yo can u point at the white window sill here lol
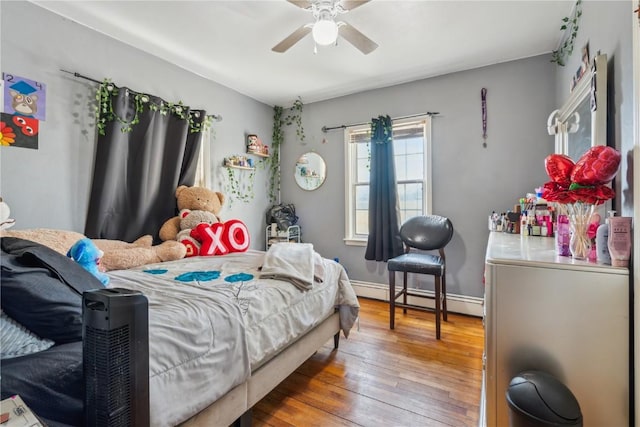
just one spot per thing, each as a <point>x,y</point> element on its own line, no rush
<point>355,242</point>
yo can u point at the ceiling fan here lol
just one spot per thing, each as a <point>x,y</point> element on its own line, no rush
<point>325,29</point>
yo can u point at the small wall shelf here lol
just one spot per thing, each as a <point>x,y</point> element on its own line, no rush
<point>239,162</point>
<point>256,153</point>
<point>246,168</point>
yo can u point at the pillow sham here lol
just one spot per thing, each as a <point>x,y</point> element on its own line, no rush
<point>42,289</point>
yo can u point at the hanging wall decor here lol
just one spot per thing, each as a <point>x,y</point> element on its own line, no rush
<point>24,97</point>
<point>24,106</point>
<point>483,98</point>
<point>18,131</point>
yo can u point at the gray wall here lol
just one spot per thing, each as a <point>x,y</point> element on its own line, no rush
<point>469,181</point>
<point>606,26</point>
<point>49,187</point>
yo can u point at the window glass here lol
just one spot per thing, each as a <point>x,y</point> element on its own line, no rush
<point>412,148</point>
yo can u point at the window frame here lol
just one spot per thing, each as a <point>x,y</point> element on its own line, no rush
<point>351,238</point>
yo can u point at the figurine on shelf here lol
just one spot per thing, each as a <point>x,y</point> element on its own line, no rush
<point>255,146</point>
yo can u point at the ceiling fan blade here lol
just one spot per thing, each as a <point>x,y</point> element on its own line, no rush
<point>292,39</point>
<point>356,38</point>
<point>352,4</point>
<point>304,4</point>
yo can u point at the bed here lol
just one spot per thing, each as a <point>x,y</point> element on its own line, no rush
<point>223,330</point>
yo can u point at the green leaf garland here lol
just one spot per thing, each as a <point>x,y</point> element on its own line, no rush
<point>570,24</point>
<point>104,113</point>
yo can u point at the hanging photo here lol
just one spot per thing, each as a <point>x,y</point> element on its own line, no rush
<point>18,131</point>
<point>24,97</point>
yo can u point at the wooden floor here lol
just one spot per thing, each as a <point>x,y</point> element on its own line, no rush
<point>380,377</point>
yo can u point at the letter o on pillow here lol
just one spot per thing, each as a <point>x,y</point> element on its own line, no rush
<point>236,235</point>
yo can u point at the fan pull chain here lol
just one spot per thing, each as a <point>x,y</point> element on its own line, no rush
<point>483,96</point>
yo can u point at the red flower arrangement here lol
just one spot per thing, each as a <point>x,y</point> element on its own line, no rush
<point>578,188</point>
<point>585,181</point>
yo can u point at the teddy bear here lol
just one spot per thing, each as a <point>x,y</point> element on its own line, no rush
<point>118,255</point>
<point>197,205</point>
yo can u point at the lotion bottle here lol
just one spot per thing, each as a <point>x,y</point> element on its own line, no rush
<point>619,241</point>
<point>562,236</point>
<point>602,241</point>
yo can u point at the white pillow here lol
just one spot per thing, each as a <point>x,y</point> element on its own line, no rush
<point>16,340</point>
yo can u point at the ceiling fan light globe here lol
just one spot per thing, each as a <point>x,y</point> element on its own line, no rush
<point>325,32</point>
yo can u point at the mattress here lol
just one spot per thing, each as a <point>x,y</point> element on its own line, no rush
<point>212,320</point>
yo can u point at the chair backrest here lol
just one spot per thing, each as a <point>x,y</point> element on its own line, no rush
<point>427,232</point>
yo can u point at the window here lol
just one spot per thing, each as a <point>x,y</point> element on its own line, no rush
<point>412,152</point>
<point>203,169</point>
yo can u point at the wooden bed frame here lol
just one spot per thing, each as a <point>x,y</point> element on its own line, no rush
<point>234,408</point>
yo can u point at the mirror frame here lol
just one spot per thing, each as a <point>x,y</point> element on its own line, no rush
<point>302,180</point>
<point>593,85</point>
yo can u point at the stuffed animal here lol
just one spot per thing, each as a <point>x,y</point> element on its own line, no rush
<point>118,255</point>
<point>5,213</point>
<point>193,199</point>
<point>87,254</point>
<point>190,220</point>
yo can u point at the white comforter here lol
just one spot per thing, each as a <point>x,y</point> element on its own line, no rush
<point>213,319</point>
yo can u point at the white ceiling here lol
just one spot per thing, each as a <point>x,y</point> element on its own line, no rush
<point>230,42</point>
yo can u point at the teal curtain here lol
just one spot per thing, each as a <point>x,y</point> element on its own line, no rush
<point>384,229</point>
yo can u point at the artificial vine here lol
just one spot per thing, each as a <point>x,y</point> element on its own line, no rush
<point>296,117</point>
<point>107,90</point>
<point>277,138</point>
<point>571,24</point>
<point>237,188</point>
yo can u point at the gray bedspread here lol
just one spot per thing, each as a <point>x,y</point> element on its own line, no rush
<point>213,320</point>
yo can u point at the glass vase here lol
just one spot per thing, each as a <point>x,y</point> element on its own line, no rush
<point>579,219</point>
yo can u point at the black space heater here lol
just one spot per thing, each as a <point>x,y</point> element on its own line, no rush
<point>115,358</point>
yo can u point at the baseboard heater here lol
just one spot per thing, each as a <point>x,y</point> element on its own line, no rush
<point>116,358</point>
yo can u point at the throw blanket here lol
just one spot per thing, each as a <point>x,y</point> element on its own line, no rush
<point>293,262</point>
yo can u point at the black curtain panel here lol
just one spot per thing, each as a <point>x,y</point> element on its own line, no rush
<point>144,154</point>
<point>384,230</point>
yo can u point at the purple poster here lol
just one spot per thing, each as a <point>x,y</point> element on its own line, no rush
<point>24,97</point>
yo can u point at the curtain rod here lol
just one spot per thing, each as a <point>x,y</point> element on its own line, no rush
<point>326,129</point>
<point>215,117</point>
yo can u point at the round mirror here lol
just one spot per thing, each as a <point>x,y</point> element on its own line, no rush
<point>310,171</point>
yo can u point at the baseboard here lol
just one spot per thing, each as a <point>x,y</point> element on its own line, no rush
<point>472,306</point>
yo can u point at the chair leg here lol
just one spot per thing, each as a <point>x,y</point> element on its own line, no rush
<point>404,296</point>
<point>444,298</point>
<point>392,298</point>
<point>437,301</point>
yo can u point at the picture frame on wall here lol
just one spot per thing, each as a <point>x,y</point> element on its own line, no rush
<point>582,69</point>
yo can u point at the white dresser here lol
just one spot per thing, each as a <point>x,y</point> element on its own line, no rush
<point>565,317</point>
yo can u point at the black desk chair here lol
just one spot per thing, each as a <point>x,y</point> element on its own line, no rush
<point>421,233</point>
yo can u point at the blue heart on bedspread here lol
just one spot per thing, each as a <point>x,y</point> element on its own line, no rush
<point>240,277</point>
<point>156,271</point>
<point>201,276</point>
